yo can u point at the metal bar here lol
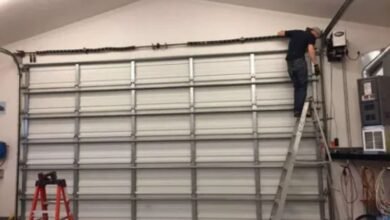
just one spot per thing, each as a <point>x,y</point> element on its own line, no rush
<point>194,180</point>
<point>259,215</point>
<point>133,101</point>
<point>265,165</point>
<point>76,173</point>
<point>337,17</point>
<point>117,88</point>
<point>20,125</point>
<point>323,92</point>
<point>150,59</point>
<point>185,197</point>
<point>130,113</point>
<point>346,104</point>
<point>25,126</point>
<point>320,176</point>
<point>173,139</point>
<point>322,133</point>
<point>367,70</point>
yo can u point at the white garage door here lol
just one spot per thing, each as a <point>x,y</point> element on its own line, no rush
<point>183,138</point>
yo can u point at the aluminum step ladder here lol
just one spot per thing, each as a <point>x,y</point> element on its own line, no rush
<point>288,167</point>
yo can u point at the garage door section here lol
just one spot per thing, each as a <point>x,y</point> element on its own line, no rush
<point>187,138</point>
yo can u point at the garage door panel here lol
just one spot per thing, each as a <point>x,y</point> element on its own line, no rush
<point>276,149</point>
<point>271,66</point>
<point>163,125</point>
<point>168,210</point>
<point>51,128</point>
<point>157,99</point>
<point>105,74</point>
<point>304,181</point>
<point>105,101</point>
<point>224,151</point>
<point>172,152</point>
<point>113,210</point>
<point>105,127</point>
<point>57,103</point>
<point>105,182</point>
<point>296,210</point>
<point>227,210</point>
<point>232,181</point>
<point>105,153</point>
<point>275,95</point>
<point>281,122</point>
<point>50,154</point>
<point>163,181</point>
<point>229,96</point>
<point>222,69</point>
<point>237,123</point>
<point>162,72</point>
<point>52,77</point>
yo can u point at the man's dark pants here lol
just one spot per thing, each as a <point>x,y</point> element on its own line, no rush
<point>297,69</point>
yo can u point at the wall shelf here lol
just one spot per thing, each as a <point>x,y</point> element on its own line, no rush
<point>355,153</point>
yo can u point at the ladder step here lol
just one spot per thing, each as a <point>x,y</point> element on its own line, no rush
<point>42,212</point>
<point>54,202</point>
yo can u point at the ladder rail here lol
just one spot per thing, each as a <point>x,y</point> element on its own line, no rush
<point>288,168</point>
<point>322,133</point>
<point>330,185</point>
<point>41,196</point>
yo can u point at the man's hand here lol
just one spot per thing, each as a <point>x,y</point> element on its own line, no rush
<point>282,33</point>
<point>317,70</point>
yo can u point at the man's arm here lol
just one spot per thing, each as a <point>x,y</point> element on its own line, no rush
<point>312,54</point>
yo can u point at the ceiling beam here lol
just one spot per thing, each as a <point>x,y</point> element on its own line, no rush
<point>336,18</point>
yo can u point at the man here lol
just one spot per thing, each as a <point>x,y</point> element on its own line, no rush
<point>300,42</point>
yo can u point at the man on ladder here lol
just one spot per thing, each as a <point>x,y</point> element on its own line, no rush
<point>300,41</point>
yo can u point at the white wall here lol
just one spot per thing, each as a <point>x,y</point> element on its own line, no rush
<point>171,21</point>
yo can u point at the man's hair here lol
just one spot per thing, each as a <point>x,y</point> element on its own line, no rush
<point>316,30</point>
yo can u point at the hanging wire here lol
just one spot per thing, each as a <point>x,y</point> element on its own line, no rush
<point>368,184</point>
<point>382,195</point>
<point>349,190</point>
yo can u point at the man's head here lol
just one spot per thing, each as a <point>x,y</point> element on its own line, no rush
<point>316,31</point>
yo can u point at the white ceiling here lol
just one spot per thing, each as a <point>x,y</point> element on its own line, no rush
<point>376,12</point>
<point>20,19</point>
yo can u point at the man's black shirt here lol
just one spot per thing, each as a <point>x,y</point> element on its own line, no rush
<point>299,40</point>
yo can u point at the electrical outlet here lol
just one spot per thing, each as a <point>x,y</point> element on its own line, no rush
<point>1,173</point>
